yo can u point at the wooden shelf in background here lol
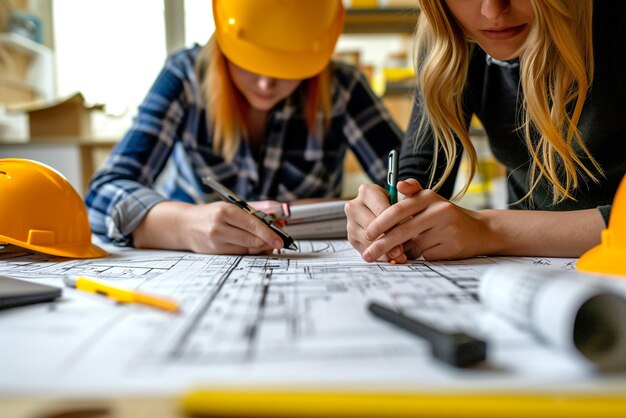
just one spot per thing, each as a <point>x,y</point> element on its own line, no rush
<point>381,20</point>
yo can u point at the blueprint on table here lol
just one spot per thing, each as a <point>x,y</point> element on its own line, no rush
<point>297,318</point>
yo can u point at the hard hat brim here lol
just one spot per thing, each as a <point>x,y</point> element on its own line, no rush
<point>70,251</point>
<point>603,260</point>
<point>274,64</point>
<point>608,256</point>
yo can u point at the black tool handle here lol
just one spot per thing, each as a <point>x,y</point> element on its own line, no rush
<point>456,349</point>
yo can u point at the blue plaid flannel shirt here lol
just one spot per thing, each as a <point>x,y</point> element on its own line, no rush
<point>169,148</point>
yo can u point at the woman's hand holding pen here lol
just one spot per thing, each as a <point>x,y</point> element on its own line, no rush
<point>371,201</point>
<point>212,228</point>
<point>423,224</point>
<point>227,230</point>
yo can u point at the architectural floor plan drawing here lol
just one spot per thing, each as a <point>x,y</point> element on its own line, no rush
<point>297,317</point>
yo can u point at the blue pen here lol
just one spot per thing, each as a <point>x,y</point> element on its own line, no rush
<point>392,176</point>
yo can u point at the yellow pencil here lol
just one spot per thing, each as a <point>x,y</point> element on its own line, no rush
<point>120,294</point>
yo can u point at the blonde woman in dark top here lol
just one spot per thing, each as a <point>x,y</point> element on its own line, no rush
<point>545,77</point>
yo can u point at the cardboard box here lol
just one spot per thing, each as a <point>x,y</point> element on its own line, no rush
<point>67,118</point>
<point>14,64</point>
<point>13,126</point>
<point>22,5</point>
<point>5,15</point>
<point>15,93</point>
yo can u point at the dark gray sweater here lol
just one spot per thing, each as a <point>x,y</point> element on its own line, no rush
<point>492,94</point>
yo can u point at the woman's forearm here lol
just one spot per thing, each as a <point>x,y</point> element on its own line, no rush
<point>163,227</point>
<point>543,233</point>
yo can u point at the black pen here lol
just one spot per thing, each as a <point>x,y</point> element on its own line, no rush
<point>456,349</point>
<point>230,196</point>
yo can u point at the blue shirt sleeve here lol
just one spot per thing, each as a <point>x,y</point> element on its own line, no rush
<point>121,193</point>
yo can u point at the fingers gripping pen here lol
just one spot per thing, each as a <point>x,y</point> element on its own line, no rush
<point>230,196</point>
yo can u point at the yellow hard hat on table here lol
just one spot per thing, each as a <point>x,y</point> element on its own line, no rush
<point>610,256</point>
<point>288,39</point>
<point>41,211</point>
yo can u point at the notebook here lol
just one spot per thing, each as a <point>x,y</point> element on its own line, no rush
<point>322,220</point>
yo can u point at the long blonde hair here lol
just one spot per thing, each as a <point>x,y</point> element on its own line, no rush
<point>556,70</point>
<point>227,108</point>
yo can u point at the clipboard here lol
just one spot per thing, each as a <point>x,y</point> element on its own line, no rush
<point>16,292</point>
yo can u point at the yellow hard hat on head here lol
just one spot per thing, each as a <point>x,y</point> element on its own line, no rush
<point>289,39</point>
<point>41,211</point>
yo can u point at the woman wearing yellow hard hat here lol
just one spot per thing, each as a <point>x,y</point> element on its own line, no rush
<point>262,109</point>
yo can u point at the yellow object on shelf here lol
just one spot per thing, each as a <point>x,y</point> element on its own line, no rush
<point>608,257</point>
<point>487,171</point>
<point>362,4</point>
<point>398,74</point>
<point>476,123</point>
<point>378,83</point>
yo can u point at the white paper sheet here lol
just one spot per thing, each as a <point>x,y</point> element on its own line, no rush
<point>295,319</point>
